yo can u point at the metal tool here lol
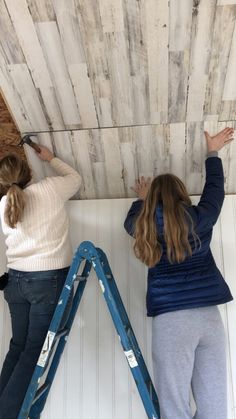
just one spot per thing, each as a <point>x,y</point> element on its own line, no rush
<point>27,140</point>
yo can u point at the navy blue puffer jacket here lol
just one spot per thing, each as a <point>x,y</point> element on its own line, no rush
<point>196,282</point>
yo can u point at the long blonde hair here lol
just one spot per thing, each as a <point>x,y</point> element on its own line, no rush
<point>168,191</point>
<point>14,175</point>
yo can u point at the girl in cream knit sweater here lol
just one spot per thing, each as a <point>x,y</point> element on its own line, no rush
<point>36,226</point>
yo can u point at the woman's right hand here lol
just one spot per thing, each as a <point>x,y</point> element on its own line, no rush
<point>45,154</point>
<point>219,140</point>
<point>142,186</point>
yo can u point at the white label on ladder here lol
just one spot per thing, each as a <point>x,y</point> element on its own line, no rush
<point>46,349</point>
<point>131,358</point>
<point>101,285</point>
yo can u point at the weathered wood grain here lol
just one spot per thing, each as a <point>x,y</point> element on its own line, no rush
<point>121,63</point>
<point>51,44</point>
<point>223,32</point>
<point>157,27</point>
<point>200,53</point>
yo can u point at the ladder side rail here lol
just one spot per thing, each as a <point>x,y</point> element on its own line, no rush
<point>39,404</point>
<point>51,335</point>
<point>117,297</point>
<point>151,405</point>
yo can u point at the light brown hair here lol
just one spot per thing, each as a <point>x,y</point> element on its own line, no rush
<point>168,191</point>
<point>14,176</point>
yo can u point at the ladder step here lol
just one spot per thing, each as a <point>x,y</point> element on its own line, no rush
<point>40,391</point>
<point>80,278</point>
<point>62,332</point>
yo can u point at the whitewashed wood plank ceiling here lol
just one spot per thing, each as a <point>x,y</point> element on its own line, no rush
<point>110,159</point>
<point>130,83</point>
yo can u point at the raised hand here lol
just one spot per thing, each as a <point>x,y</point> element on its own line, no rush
<point>44,154</point>
<point>142,186</point>
<point>219,140</point>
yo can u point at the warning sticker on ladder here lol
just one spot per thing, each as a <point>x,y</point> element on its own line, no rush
<point>131,358</point>
<point>46,349</point>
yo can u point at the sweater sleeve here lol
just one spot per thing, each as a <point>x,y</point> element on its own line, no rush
<point>68,181</point>
<point>212,198</point>
<point>131,217</point>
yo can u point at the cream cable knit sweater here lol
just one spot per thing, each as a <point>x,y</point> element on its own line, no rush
<point>41,240</point>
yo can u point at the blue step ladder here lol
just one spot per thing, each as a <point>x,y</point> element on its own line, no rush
<point>35,397</point>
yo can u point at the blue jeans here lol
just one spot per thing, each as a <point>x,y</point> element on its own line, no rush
<point>32,298</point>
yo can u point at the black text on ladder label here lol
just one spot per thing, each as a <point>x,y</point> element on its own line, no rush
<point>131,358</point>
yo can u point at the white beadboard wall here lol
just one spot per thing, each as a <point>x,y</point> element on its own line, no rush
<point>93,380</point>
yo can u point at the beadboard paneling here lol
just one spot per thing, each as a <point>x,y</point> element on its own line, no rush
<point>93,380</point>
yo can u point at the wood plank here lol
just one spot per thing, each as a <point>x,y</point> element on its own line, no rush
<point>90,25</point>
<point>41,10</point>
<point>179,54</point>
<point>224,19</point>
<point>229,92</point>
<point>195,157</point>
<point>136,40</point>
<point>119,74</point>
<point>21,77</point>
<point>222,2</point>
<point>73,50</point>
<point>113,163</point>
<point>26,33</point>
<point>232,163</point>
<point>9,42</point>
<point>157,27</point>
<point>83,94</point>
<point>51,44</point>
<point>177,150</point>
<point>201,39</point>
<point>68,25</point>
<point>225,155</point>
<point>145,150</point>
<point>82,152</point>
<point>228,110</point>
<point>128,157</point>
<point>178,79</point>
<point>180,24</point>
<point>161,145</point>
<point>112,17</point>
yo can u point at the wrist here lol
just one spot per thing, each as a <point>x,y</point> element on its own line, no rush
<point>212,150</point>
<point>212,154</point>
<point>50,158</point>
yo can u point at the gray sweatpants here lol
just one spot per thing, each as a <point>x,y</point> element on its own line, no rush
<point>188,348</point>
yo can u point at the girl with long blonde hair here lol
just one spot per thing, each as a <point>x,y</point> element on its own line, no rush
<point>36,226</point>
<point>172,237</point>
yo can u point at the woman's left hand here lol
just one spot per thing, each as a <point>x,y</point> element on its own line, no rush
<point>142,186</point>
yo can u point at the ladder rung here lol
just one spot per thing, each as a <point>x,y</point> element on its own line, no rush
<point>61,333</point>
<point>127,329</point>
<point>80,278</point>
<point>40,391</point>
